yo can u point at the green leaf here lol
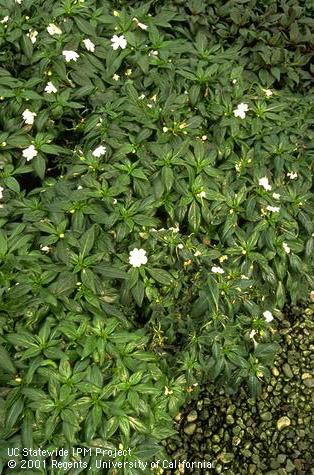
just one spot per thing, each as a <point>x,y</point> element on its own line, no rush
<point>194,216</point>
<point>5,361</point>
<point>87,241</point>
<point>39,166</point>
<point>161,276</point>
<point>138,292</point>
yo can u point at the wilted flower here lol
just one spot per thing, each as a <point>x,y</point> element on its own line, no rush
<point>70,55</point>
<point>29,153</point>
<point>137,257</point>
<point>29,117</point>
<point>217,270</point>
<point>274,209</point>
<point>89,45</point>
<point>286,247</point>
<point>99,151</point>
<point>118,42</point>
<point>292,175</point>
<point>241,110</point>
<point>50,88</point>
<point>53,29</point>
<point>264,183</point>
<point>32,34</point>
<point>223,258</point>
<point>268,316</point>
<point>141,25</point>
<point>312,295</point>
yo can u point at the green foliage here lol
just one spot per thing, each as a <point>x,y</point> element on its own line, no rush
<point>205,116</point>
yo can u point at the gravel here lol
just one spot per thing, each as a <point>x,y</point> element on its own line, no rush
<point>271,435</point>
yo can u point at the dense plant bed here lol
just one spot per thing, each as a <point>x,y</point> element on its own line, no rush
<point>272,435</point>
<point>156,212</point>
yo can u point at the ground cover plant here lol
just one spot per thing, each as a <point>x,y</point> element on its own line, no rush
<point>156,211</point>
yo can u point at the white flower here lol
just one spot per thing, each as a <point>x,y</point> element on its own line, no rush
<point>276,196</point>
<point>137,257</point>
<point>241,110</point>
<point>252,334</point>
<point>29,117</point>
<point>29,153</point>
<point>53,29</point>
<point>99,151</point>
<point>45,248</point>
<point>180,246</point>
<point>234,81</point>
<point>201,194</point>
<point>118,42</point>
<point>141,25</point>
<point>153,53</point>
<point>5,19</point>
<point>292,175</point>
<point>89,45</point>
<point>116,77</point>
<point>286,247</point>
<point>274,209</point>
<point>204,137</point>
<point>197,253</point>
<point>18,1</point>
<point>174,229</point>
<point>267,92</point>
<point>1,192</point>
<point>264,183</point>
<point>268,316</point>
<point>217,270</point>
<point>165,129</point>
<point>223,258</point>
<point>50,88</point>
<point>70,55</point>
<point>32,34</point>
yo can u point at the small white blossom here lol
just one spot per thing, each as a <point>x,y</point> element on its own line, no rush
<point>268,92</point>
<point>118,42</point>
<point>18,1</point>
<point>1,192</point>
<point>292,175</point>
<point>264,183</point>
<point>197,253</point>
<point>286,247</point>
<point>116,77</point>
<point>217,270</point>
<point>276,196</point>
<point>32,34</point>
<point>268,316</point>
<point>29,117</point>
<point>5,19</point>
<point>137,257</point>
<point>29,153</point>
<point>139,24</point>
<point>180,246</point>
<point>79,187</point>
<point>234,81</point>
<point>50,88</point>
<point>241,110</point>
<point>201,194</point>
<point>204,137</point>
<point>165,129</point>
<point>45,248</point>
<point>252,334</point>
<point>153,53</point>
<point>174,229</point>
<point>274,209</point>
<point>99,151</point>
<point>70,55</point>
<point>53,29</point>
<point>89,45</point>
